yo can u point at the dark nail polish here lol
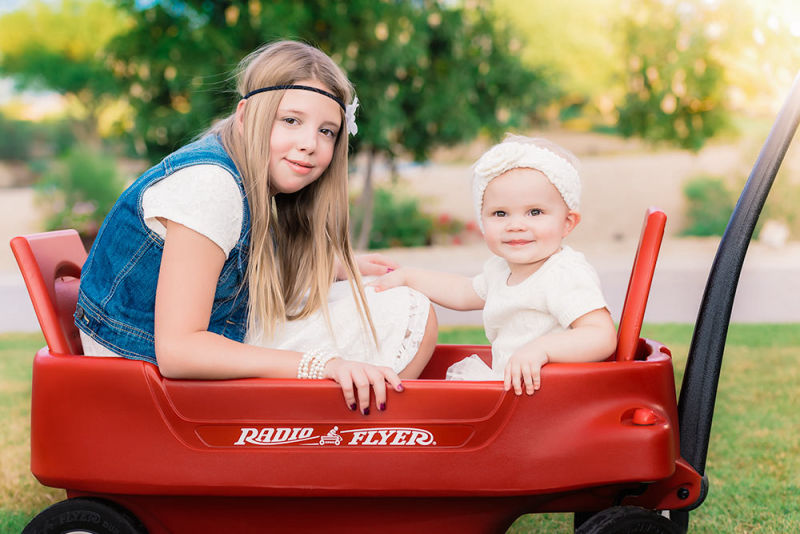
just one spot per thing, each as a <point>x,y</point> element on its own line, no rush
<point>365,411</point>
<point>353,406</point>
<point>382,406</point>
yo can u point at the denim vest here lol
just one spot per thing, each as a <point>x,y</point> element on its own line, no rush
<point>116,302</point>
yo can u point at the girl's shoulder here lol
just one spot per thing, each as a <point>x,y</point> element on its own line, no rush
<point>207,150</point>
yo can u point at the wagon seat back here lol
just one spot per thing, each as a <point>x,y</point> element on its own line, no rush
<point>644,265</point>
<point>50,263</point>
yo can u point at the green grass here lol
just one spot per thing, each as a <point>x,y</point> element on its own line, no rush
<point>753,461</point>
<point>21,496</point>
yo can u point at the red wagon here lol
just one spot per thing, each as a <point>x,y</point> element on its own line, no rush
<point>140,453</point>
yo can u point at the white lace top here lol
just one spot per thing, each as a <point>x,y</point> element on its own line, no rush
<point>562,290</point>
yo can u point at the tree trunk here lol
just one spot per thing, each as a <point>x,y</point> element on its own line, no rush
<point>367,202</point>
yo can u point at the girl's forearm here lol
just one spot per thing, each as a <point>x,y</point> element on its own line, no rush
<point>205,355</point>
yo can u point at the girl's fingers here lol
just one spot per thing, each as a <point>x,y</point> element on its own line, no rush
<point>346,383</point>
<point>383,261</point>
<point>379,387</point>
<point>356,381</point>
<point>362,384</point>
<point>393,379</point>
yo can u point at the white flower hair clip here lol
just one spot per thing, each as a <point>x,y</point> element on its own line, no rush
<point>350,117</point>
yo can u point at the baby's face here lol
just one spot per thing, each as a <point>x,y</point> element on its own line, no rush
<point>524,219</point>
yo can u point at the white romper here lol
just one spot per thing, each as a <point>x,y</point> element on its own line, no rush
<point>564,288</point>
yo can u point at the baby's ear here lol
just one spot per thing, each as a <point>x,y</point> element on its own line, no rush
<point>571,221</point>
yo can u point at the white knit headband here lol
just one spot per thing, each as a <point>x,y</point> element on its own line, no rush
<point>512,155</point>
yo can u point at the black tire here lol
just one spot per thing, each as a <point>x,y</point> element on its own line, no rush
<point>628,520</point>
<point>93,516</point>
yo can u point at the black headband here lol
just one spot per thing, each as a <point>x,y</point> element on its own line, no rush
<point>292,86</point>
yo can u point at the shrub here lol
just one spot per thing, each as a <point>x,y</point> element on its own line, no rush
<point>397,221</point>
<point>17,139</point>
<point>78,191</point>
<point>709,204</point>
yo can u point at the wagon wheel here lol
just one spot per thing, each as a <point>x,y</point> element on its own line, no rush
<point>628,520</point>
<point>85,516</point>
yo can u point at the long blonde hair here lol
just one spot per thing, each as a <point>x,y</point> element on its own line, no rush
<point>294,238</point>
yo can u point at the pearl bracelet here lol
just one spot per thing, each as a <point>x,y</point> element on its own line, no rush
<point>312,364</point>
<point>302,368</point>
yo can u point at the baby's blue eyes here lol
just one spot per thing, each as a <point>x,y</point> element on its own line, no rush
<point>533,212</point>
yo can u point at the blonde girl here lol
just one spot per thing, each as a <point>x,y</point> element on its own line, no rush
<point>220,261</point>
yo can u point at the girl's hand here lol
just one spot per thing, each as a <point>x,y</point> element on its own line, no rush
<point>375,264</point>
<point>356,378</point>
<point>369,265</point>
<point>525,366</point>
<point>392,279</point>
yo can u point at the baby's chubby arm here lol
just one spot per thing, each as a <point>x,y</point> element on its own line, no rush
<point>591,337</point>
<point>445,289</point>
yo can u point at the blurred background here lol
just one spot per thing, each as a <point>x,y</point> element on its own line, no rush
<point>666,102</point>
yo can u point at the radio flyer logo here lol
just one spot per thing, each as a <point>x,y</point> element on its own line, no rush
<point>334,435</point>
<point>394,436</point>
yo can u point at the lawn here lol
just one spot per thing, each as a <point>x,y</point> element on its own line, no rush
<point>753,462</point>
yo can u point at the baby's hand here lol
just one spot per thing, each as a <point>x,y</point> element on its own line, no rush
<point>525,365</point>
<point>393,278</point>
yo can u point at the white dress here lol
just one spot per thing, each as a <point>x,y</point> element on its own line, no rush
<point>206,199</point>
<point>563,289</point>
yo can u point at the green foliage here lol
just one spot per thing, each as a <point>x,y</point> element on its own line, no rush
<point>674,85</point>
<point>60,48</point>
<point>709,204</point>
<point>79,190</point>
<point>782,203</point>
<point>427,73</point>
<point>23,139</point>
<point>17,139</point>
<point>574,40</point>
<point>398,221</point>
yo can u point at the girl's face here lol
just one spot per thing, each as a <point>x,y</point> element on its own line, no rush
<point>524,219</point>
<point>303,138</point>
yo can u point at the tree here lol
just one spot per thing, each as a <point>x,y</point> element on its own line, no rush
<point>427,73</point>
<point>61,48</point>
<point>674,84</point>
<point>576,41</point>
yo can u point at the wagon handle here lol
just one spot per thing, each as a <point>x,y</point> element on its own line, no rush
<point>699,386</point>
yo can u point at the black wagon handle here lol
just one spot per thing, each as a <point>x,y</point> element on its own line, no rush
<point>699,386</point>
